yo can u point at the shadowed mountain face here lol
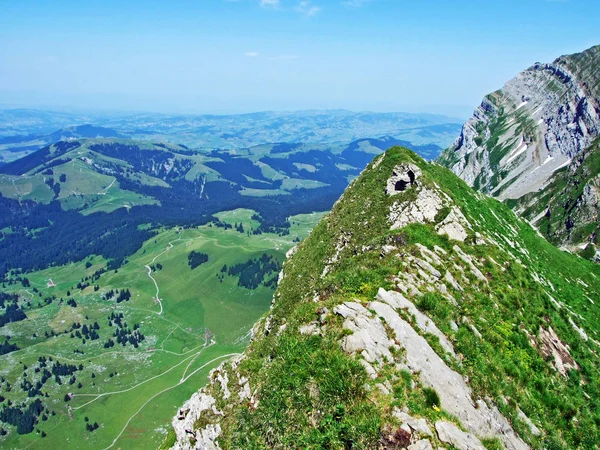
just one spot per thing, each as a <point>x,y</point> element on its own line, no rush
<point>534,143</point>
<point>419,313</point>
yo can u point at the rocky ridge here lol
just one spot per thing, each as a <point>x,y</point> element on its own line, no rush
<point>401,323</point>
<point>533,136</point>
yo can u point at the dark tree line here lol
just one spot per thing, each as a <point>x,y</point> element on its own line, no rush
<point>8,298</point>
<point>7,347</point>
<point>123,334</point>
<point>255,271</point>
<point>12,314</point>
<point>39,158</point>
<point>122,295</point>
<point>24,418</point>
<point>196,258</point>
<point>64,236</point>
<point>64,369</point>
<point>152,162</point>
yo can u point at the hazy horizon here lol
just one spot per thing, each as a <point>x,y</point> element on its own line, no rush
<point>243,56</point>
<point>133,112</point>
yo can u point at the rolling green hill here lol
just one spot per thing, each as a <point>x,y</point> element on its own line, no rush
<point>91,195</point>
<point>418,312</point>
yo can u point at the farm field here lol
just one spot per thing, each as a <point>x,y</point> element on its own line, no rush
<point>178,323</point>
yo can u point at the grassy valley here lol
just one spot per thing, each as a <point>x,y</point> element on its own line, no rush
<point>132,391</point>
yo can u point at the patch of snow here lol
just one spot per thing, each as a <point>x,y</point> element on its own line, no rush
<point>537,110</point>
<point>546,161</point>
<point>519,150</point>
<point>565,164</point>
<point>520,106</point>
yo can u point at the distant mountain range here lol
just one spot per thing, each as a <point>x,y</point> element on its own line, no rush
<point>24,131</point>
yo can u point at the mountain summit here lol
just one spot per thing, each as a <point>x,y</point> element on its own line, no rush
<point>419,313</point>
<point>535,142</point>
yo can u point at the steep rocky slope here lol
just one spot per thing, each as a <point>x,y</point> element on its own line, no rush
<point>533,138</point>
<point>418,314</point>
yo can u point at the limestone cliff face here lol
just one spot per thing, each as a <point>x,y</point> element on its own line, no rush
<point>418,314</point>
<point>539,127</point>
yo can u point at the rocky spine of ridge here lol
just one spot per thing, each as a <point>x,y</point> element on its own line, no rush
<point>431,236</point>
<point>539,127</point>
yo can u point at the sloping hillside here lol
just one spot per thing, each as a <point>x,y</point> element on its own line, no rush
<point>51,197</point>
<point>418,313</point>
<point>535,137</point>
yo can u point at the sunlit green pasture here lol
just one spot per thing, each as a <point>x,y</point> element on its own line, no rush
<point>203,320</point>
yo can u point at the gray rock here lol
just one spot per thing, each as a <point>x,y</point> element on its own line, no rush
<point>428,267</point>
<point>418,425</point>
<point>567,122</point>
<point>423,444</point>
<point>398,301</point>
<point>291,252</point>
<point>551,345</point>
<point>403,177</point>
<point>454,225</point>
<point>449,433</point>
<point>189,438</point>
<point>421,210</point>
<point>560,102</point>
<point>450,279</point>
<point>387,249</point>
<point>371,372</point>
<point>534,430</point>
<point>469,262</point>
<point>368,333</point>
<point>310,329</point>
<point>455,394</point>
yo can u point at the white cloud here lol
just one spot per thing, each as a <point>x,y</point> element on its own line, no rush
<point>284,57</point>
<point>306,8</point>
<point>269,3</point>
<point>355,3</point>
<point>251,54</point>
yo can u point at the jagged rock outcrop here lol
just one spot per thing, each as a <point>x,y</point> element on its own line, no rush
<point>530,138</point>
<point>189,435</point>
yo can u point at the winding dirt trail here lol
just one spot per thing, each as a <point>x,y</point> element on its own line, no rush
<point>149,269</point>
<point>149,273</point>
<point>104,191</point>
<point>156,297</point>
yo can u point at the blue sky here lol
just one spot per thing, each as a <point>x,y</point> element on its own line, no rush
<point>224,56</point>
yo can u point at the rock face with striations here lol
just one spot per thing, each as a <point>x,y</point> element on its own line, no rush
<point>419,314</point>
<point>535,143</point>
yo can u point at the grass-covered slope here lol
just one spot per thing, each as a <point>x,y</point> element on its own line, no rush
<point>509,319</point>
